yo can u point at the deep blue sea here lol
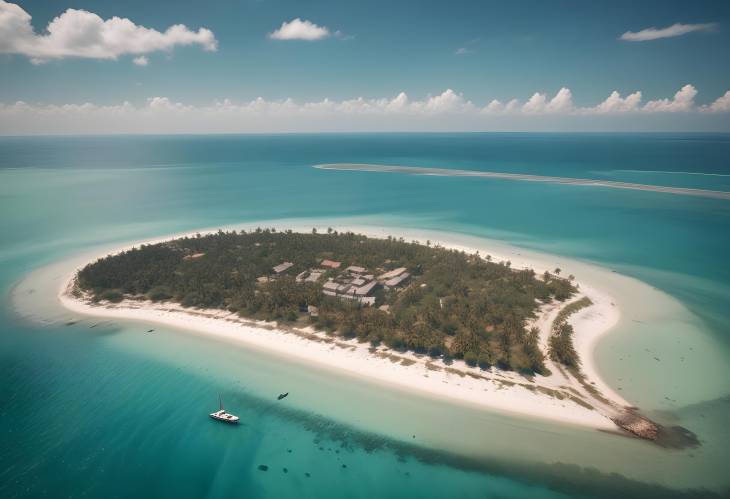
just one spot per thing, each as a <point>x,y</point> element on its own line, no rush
<point>111,412</point>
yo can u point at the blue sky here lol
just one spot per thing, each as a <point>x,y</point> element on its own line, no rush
<point>509,50</point>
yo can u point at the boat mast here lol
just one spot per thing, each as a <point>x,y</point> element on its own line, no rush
<point>220,402</point>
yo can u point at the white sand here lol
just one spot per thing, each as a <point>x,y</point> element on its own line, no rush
<point>465,386</point>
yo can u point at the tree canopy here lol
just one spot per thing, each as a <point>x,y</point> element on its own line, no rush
<point>455,305</point>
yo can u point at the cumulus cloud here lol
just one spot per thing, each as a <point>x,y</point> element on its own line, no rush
<point>682,101</point>
<point>298,29</point>
<point>79,33</point>
<point>614,103</point>
<point>494,107</point>
<point>446,110</point>
<point>141,61</point>
<point>677,29</point>
<point>721,105</point>
<point>562,102</point>
<point>446,102</point>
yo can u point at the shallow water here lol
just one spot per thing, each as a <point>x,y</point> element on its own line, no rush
<point>110,410</point>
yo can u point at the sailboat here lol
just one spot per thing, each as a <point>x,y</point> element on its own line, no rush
<point>222,415</point>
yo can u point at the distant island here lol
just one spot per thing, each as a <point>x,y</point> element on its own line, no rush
<point>420,315</point>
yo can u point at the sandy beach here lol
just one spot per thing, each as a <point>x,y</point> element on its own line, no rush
<point>557,397</point>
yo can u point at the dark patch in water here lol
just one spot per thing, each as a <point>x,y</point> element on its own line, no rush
<point>566,478</point>
<point>263,467</point>
<point>570,479</point>
<point>676,437</point>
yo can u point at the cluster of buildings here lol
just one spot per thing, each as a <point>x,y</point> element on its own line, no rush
<point>353,283</point>
<point>356,283</point>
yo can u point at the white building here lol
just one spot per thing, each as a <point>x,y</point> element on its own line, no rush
<point>283,267</point>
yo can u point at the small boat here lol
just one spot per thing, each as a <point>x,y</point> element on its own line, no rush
<point>282,395</point>
<point>222,415</point>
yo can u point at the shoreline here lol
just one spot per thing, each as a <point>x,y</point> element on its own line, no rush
<point>557,397</point>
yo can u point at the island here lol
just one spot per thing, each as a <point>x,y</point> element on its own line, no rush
<point>435,314</point>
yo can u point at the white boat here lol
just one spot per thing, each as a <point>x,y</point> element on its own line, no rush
<point>222,415</point>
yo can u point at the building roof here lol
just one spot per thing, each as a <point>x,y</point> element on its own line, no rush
<point>356,270</point>
<point>331,286</point>
<point>313,277</point>
<point>331,264</point>
<point>282,267</point>
<point>365,290</point>
<point>393,273</point>
<point>397,280</point>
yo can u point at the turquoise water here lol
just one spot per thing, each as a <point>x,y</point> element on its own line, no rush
<point>111,411</point>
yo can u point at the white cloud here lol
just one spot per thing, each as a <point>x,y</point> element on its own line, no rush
<point>512,106</point>
<point>165,104</point>
<point>298,29</point>
<point>79,33</point>
<point>446,102</point>
<point>562,102</point>
<point>463,51</point>
<point>614,103</point>
<point>683,101</point>
<point>141,61</point>
<point>494,107</point>
<point>677,29</point>
<point>721,105</point>
<point>535,104</point>
<point>447,110</point>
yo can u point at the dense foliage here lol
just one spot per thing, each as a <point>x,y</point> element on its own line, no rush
<point>560,344</point>
<point>456,304</point>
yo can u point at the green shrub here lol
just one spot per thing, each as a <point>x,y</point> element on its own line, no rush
<point>159,293</point>
<point>112,295</point>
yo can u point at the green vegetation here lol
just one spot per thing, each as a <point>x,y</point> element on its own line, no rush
<point>454,305</point>
<point>560,344</point>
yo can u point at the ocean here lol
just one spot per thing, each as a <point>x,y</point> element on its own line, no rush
<point>103,409</point>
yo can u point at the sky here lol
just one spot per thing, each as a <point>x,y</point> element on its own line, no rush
<point>106,66</point>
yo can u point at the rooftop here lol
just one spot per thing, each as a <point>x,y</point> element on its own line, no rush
<point>397,280</point>
<point>282,267</point>
<point>393,273</point>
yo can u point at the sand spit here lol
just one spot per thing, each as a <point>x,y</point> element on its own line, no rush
<point>412,170</point>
